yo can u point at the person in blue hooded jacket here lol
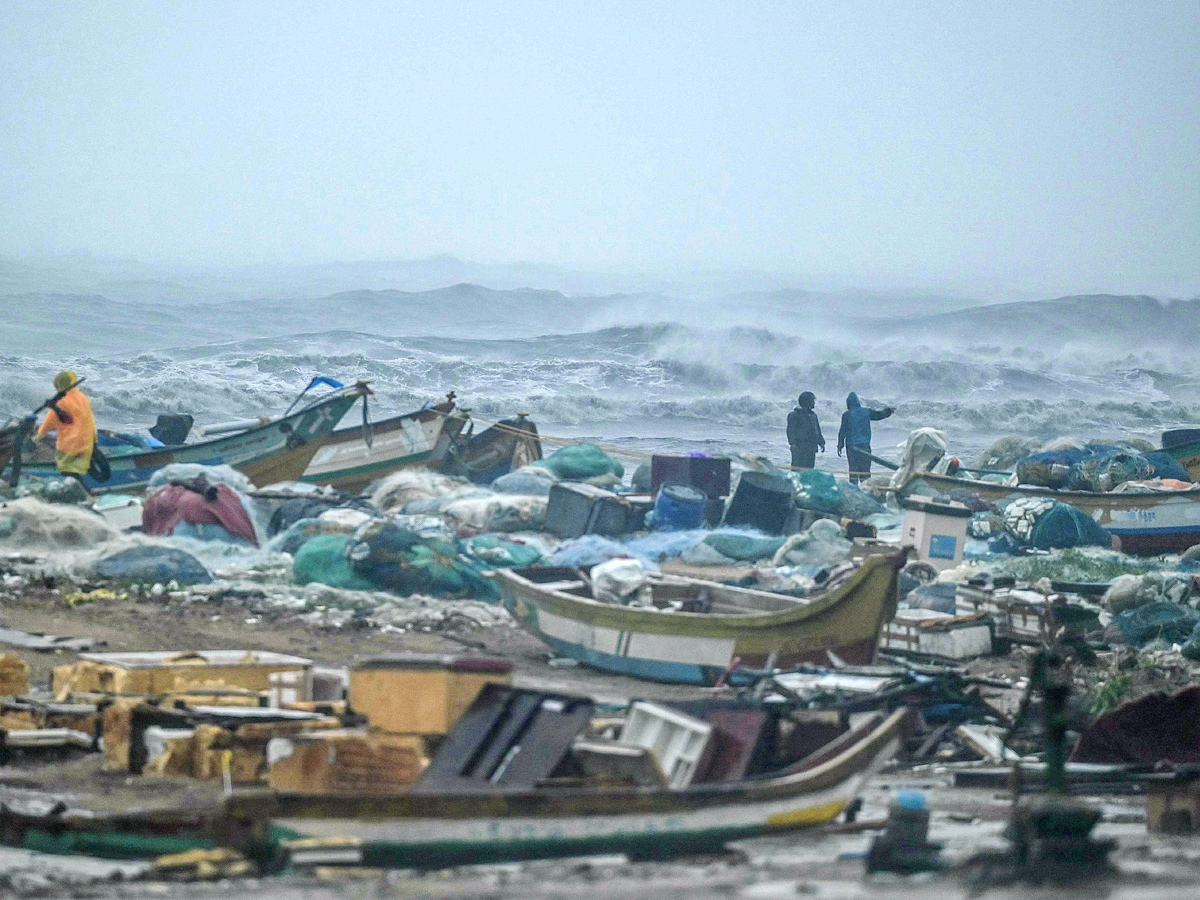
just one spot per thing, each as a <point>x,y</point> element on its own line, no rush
<point>855,435</point>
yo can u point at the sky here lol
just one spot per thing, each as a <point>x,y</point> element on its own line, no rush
<point>1028,146</point>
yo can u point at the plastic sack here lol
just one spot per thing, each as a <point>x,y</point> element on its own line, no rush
<point>581,461</point>
<point>323,560</point>
<point>816,489</point>
<point>1164,620</point>
<point>618,580</point>
<point>153,563</point>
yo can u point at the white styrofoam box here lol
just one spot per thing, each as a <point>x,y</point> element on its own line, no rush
<point>676,739</point>
<point>121,511</point>
<point>933,633</point>
<point>938,531</point>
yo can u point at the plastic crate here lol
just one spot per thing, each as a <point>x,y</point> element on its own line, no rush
<point>676,739</point>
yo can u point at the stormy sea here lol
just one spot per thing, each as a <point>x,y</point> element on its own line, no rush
<point>677,367</point>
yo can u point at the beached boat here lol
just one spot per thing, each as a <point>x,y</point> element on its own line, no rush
<point>430,831</point>
<point>277,451</point>
<point>433,437</point>
<point>351,458</point>
<point>665,643</point>
<point>1145,522</point>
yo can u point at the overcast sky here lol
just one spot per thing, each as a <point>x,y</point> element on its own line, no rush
<point>1028,145</point>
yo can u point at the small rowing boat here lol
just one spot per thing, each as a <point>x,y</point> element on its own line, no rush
<point>431,830</point>
<point>695,630</point>
<point>433,437</point>
<point>269,453</point>
<point>351,458</point>
<point>1142,522</point>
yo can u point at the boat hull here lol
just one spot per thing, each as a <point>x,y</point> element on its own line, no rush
<point>1149,522</point>
<point>1186,452</point>
<point>279,451</point>
<point>434,831</point>
<point>347,461</point>
<point>696,648</point>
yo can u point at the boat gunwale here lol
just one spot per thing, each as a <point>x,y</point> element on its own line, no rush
<point>639,619</point>
<point>1113,498</point>
<point>552,802</point>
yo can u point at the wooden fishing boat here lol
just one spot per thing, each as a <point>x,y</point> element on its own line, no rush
<point>351,458</point>
<point>436,830</point>
<point>433,437</point>
<point>664,643</point>
<point>277,451</point>
<point>1145,522</point>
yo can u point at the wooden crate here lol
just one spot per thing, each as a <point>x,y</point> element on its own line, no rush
<point>14,676</point>
<point>155,673</point>
<point>421,693</point>
<point>931,633</point>
<point>354,762</point>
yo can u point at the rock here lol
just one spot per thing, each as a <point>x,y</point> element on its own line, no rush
<point>1122,594</point>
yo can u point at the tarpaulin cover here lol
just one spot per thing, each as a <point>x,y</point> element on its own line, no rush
<point>217,505</point>
<point>1164,620</point>
<point>1146,731</point>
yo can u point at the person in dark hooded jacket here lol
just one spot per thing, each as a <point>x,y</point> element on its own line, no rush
<point>855,435</point>
<point>804,432</point>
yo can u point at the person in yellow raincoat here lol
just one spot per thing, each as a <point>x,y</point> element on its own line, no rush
<point>75,427</point>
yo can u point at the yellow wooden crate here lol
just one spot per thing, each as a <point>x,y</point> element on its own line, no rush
<point>155,673</point>
<point>421,693</point>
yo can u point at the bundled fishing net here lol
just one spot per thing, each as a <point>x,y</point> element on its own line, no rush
<point>32,524</point>
<point>581,462</point>
<point>408,485</point>
<point>403,561</point>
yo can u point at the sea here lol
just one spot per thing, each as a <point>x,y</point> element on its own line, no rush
<point>662,369</point>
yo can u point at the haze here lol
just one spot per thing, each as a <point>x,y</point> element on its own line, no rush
<point>1017,149</point>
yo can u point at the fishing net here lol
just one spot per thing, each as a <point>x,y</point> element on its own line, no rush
<point>580,461</point>
<point>322,559</point>
<point>403,561</point>
<point>816,489</point>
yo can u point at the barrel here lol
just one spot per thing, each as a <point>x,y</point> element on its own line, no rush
<point>761,501</point>
<point>678,507</point>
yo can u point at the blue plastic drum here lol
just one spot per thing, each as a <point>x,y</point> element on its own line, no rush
<point>679,507</point>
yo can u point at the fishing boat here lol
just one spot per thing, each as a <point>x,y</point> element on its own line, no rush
<point>276,451</point>
<point>351,458</point>
<point>1140,522</point>
<point>695,630</point>
<point>431,830</point>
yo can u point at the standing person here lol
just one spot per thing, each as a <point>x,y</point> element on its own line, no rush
<point>70,416</point>
<point>804,432</point>
<point>855,435</point>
